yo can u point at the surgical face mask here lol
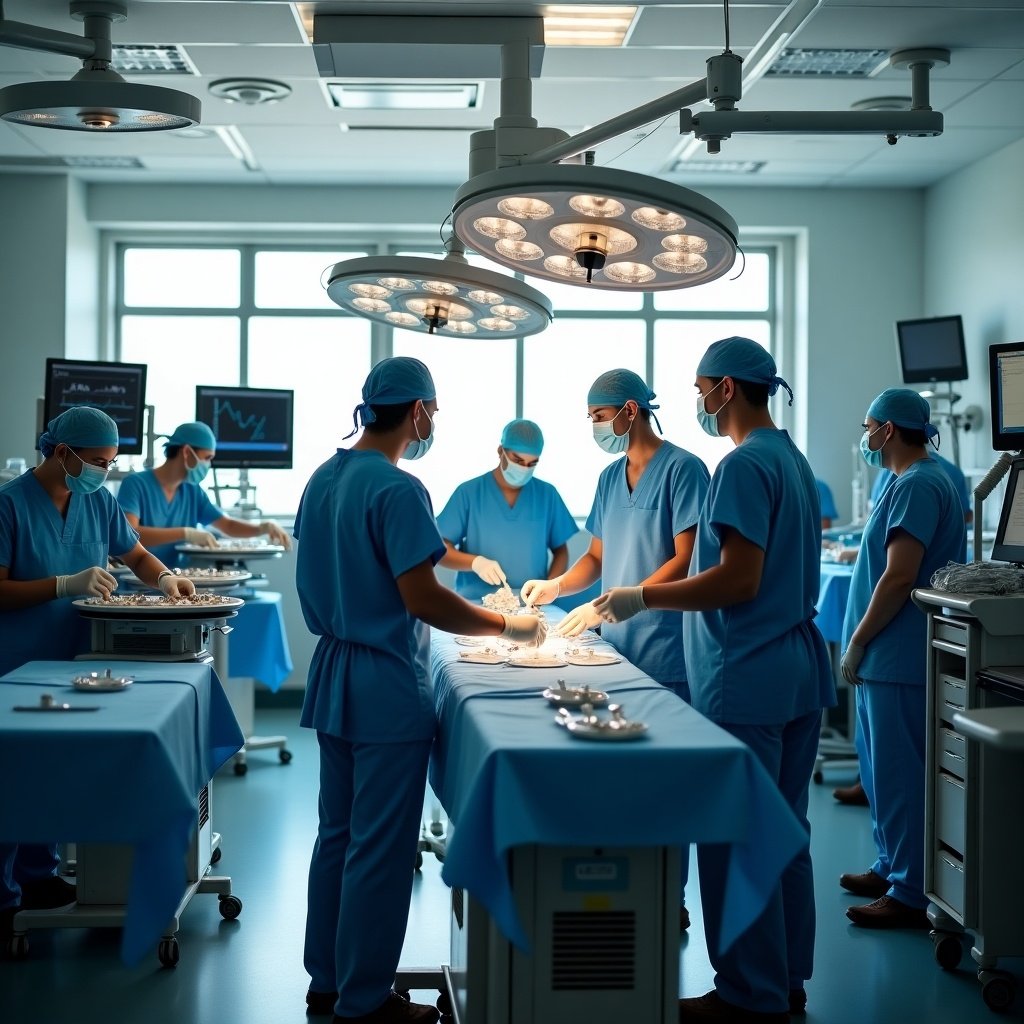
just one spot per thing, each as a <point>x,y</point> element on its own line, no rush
<point>91,478</point>
<point>418,448</point>
<point>709,420</point>
<point>872,458</point>
<point>516,475</point>
<point>605,436</point>
<point>197,474</point>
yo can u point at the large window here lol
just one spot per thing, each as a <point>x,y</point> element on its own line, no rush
<point>257,315</point>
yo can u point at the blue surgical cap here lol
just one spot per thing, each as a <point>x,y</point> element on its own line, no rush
<point>616,387</point>
<point>198,435</point>
<point>903,408</point>
<point>391,382</point>
<point>522,436</point>
<point>742,359</point>
<point>79,427</point>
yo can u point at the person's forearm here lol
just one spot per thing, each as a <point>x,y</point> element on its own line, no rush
<point>585,571</point>
<point>714,588</point>
<point>145,565</point>
<point>674,569</point>
<point>15,594</point>
<point>238,527</point>
<point>890,595</point>
<point>559,562</point>
<point>445,610</point>
<point>460,561</point>
<point>154,536</point>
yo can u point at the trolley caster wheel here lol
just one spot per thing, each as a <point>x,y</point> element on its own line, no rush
<point>998,990</point>
<point>17,947</point>
<point>419,861</point>
<point>230,907</point>
<point>285,756</point>
<point>819,777</point>
<point>948,951</point>
<point>444,1004</point>
<point>240,768</point>
<point>215,856</point>
<point>168,952</point>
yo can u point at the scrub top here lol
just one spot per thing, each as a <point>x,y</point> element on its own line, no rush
<point>922,501</point>
<point>361,523</point>
<point>477,518</point>
<point>36,543</point>
<point>959,481</point>
<point>763,661</point>
<point>637,531</point>
<point>828,503</point>
<point>141,494</point>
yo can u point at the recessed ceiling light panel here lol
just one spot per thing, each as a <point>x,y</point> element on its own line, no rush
<point>405,95</point>
<point>642,234</point>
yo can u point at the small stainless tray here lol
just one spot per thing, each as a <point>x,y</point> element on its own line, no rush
<point>575,697</point>
<point>105,682</point>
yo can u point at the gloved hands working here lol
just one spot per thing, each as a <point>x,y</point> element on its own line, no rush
<point>489,571</point>
<point>275,534</point>
<point>540,591</point>
<point>91,582</point>
<point>851,662</point>
<point>620,603</point>
<point>580,618</point>
<point>172,585</point>
<point>525,629</point>
<point>199,538</point>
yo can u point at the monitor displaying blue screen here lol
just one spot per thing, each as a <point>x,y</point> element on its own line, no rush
<point>253,426</point>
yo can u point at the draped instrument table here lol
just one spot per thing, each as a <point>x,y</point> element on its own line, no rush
<point>569,850</point>
<point>135,773</point>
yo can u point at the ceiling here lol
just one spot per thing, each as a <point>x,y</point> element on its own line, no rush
<point>303,139</point>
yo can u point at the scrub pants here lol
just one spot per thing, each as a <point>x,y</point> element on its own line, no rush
<point>890,744</point>
<point>776,953</point>
<point>25,862</point>
<point>361,874</point>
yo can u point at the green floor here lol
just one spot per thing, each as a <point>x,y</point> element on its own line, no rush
<point>249,971</point>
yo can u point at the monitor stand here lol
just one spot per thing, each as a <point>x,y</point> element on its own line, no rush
<point>245,507</point>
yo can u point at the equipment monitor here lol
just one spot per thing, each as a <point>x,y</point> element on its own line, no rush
<point>1006,381</point>
<point>118,389</point>
<point>1009,542</point>
<point>931,350</point>
<point>253,426</point>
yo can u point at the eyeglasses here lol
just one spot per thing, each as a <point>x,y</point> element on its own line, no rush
<point>104,464</point>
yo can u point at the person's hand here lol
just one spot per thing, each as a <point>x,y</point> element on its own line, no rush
<point>540,591</point>
<point>489,571</point>
<point>620,603</point>
<point>847,556</point>
<point>525,629</point>
<point>91,582</point>
<point>199,538</point>
<point>176,586</point>
<point>275,534</point>
<point>851,662</point>
<point>579,619</point>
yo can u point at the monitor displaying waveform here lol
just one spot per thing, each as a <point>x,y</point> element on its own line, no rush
<point>119,389</point>
<point>253,426</point>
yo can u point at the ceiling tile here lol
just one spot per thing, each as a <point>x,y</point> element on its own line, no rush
<point>702,26</point>
<point>266,61</point>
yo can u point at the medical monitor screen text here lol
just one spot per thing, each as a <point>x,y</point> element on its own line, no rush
<point>932,350</point>
<point>118,389</point>
<point>1006,377</point>
<point>253,426</point>
<point>1009,541</point>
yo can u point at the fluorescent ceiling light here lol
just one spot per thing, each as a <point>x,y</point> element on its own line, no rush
<point>586,24</point>
<point>717,166</point>
<point>405,96</point>
<point>151,59</point>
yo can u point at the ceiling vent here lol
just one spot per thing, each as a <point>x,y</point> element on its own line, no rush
<point>117,163</point>
<point>151,59</point>
<point>798,63</point>
<point>253,92</point>
<point>716,166</point>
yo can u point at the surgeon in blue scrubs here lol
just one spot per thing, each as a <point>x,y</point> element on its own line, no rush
<point>916,527</point>
<point>829,512</point>
<point>168,506</point>
<point>368,544</point>
<point>757,664</point>
<point>58,523</point>
<point>506,526</point>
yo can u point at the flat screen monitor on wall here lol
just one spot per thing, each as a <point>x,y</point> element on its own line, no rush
<point>1006,384</point>
<point>119,389</point>
<point>931,350</point>
<point>253,426</point>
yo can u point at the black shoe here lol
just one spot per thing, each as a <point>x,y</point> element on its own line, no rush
<point>712,1008</point>
<point>684,919</point>
<point>888,912</point>
<point>394,1010</point>
<point>852,796</point>
<point>47,893</point>
<point>320,1004</point>
<point>868,884</point>
<point>797,1002</point>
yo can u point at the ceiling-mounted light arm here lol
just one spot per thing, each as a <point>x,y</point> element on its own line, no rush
<point>516,104</point>
<point>98,15</point>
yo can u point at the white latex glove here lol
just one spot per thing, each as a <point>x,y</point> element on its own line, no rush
<point>579,619</point>
<point>525,629</point>
<point>620,603</point>
<point>176,586</point>
<point>540,591</point>
<point>851,662</point>
<point>91,582</point>
<point>199,538</point>
<point>489,571</point>
<point>275,534</point>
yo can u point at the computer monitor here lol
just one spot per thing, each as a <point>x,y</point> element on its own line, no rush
<point>1006,383</point>
<point>1009,542</point>
<point>253,426</point>
<point>931,350</point>
<point>119,389</point>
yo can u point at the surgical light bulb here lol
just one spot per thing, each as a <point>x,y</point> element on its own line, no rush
<point>438,307</point>
<point>440,288</point>
<point>685,243</point>
<point>461,327</point>
<point>525,208</point>
<point>486,298</point>
<point>370,291</point>
<point>499,227</point>
<point>518,250</point>
<point>564,265</point>
<point>597,206</point>
<point>497,323</point>
<point>371,305</point>
<point>628,272</point>
<point>510,312</point>
<point>395,283</point>
<point>680,262</point>
<point>599,237</point>
<point>402,319</point>
<point>658,220</point>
